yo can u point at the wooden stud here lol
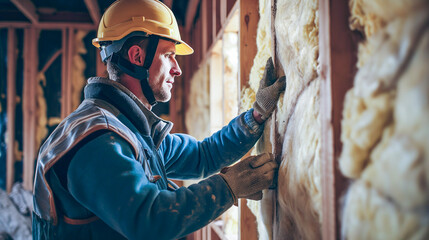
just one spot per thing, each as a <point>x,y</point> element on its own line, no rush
<point>204,19</point>
<point>11,105</point>
<point>247,222</point>
<point>27,8</point>
<point>66,79</point>
<point>190,14</point>
<point>209,25</point>
<point>94,10</point>
<point>64,73</point>
<point>223,12</point>
<point>337,60</point>
<point>249,18</point>
<point>214,16</point>
<point>70,54</point>
<point>29,106</point>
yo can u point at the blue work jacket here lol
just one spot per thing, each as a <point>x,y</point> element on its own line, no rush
<point>102,173</point>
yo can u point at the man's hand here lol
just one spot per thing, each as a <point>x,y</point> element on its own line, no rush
<point>269,91</point>
<point>250,176</point>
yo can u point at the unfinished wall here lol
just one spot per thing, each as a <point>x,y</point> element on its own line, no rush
<point>297,121</point>
<point>384,130</point>
<point>263,210</point>
<point>78,68</point>
<point>197,118</point>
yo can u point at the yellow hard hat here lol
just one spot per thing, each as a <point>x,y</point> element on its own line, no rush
<point>150,16</point>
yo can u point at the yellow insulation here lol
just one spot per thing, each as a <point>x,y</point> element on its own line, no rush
<point>41,110</point>
<point>384,130</point>
<point>78,68</point>
<point>297,120</point>
<point>197,118</point>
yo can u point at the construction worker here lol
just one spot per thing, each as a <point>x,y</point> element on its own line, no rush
<point>102,173</point>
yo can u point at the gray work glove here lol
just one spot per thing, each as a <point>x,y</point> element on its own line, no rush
<point>269,91</point>
<point>250,176</point>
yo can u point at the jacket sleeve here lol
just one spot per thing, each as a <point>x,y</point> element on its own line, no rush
<point>187,158</point>
<point>105,177</point>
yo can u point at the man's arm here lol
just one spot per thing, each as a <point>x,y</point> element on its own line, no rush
<point>105,178</point>
<point>201,159</point>
<point>187,158</point>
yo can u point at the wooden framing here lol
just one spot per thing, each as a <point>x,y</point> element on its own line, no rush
<point>223,12</point>
<point>28,9</point>
<point>29,106</point>
<point>337,60</point>
<point>249,18</point>
<point>66,79</point>
<point>204,22</point>
<point>11,105</point>
<point>94,11</point>
<point>190,14</point>
<point>48,25</point>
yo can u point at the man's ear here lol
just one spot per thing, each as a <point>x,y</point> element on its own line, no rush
<point>136,55</point>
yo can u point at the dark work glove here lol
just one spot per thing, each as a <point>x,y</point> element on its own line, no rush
<point>250,176</point>
<point>269,91</point>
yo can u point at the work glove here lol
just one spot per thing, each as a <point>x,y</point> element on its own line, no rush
<point>250,176</point>
<point>269,91</point>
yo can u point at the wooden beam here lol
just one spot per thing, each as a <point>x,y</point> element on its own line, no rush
<point>70,53</point>
<point>190,14</point>
<point>249,18</point>
<point>27,8</point>
<point>48,25</point>
<point>213,28</point>
<point>94,11</point>
<point>338,61</point>
<point>205,33</point>
<point>223,12</point>
<point>50,61</point>
<point>64,73</point>
<point>66,79</point>
<point>11,105</point>
<point>247,222</point>
<point>29,106</point>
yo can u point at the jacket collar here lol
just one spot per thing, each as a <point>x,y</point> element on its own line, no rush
<point>128,104</point>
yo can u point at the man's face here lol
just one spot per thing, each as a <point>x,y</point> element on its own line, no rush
<point>163,70</point>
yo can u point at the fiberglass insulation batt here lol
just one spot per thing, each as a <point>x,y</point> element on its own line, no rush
<point>385,131</point>
<point>297,120</point>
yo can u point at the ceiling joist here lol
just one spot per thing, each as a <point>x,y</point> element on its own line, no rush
<point>94,10</point>
<point>27,8</point>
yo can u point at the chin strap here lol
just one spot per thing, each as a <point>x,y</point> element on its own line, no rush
<point>140,72</point>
